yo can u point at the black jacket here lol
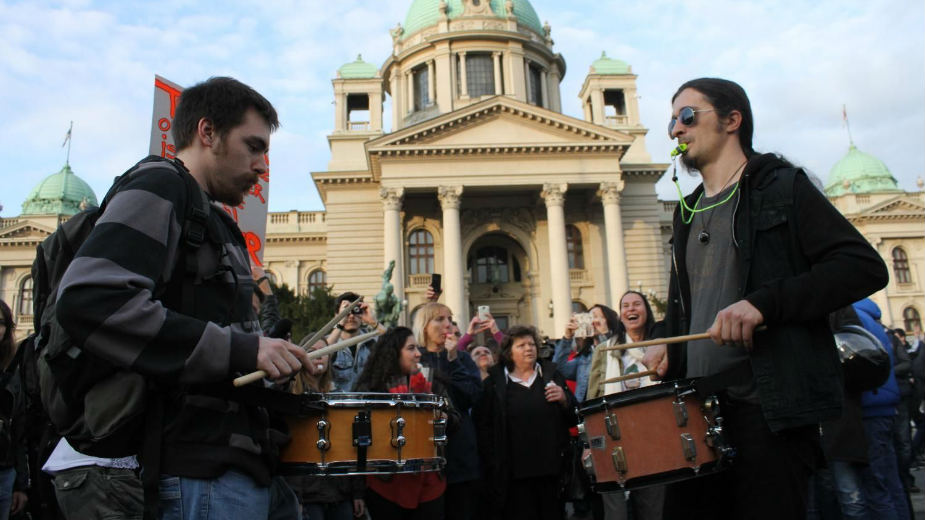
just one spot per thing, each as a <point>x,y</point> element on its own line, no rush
<point>800,259</point>
<point>491,425</point>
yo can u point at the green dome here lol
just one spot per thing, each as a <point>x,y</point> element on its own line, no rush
<point>61,193</point>
<point>357,69</point>
<point>605,65</point>
<point>859,172</point>
<point>425,13</point>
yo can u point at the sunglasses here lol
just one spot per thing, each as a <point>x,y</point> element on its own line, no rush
<point>686,117</point>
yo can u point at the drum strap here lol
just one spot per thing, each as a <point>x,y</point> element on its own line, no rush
<point>738,374</point>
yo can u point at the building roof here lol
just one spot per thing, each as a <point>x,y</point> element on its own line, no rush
<point>425,13</point>
<point>605,65</point>
<point>357,69</point>
<point>61,193</point>
<point>859,172</point>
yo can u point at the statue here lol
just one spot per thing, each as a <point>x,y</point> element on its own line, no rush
<point>388,306</point>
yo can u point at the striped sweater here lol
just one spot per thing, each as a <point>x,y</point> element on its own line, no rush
<point>120,299</point>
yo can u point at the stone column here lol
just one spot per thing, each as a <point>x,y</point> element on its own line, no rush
<point>452,253</point>
<point>496,58</point>
<point>396,99</point>
<point>340,112</point>
<point>391,208</point>
<point>431,81</point>
<point>554,195</point>
<point>545,90</point>
<point>409,77</point>
<point>610,193</point>
<point>463,87</point>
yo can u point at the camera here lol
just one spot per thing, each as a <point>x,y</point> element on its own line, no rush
<point>356,310</point>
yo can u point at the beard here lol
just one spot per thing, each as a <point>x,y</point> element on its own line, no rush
<point>691,164</point>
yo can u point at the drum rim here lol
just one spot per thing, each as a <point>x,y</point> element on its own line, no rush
<point>636,395</point>
<point>373,467</point>
<point>380,400</point>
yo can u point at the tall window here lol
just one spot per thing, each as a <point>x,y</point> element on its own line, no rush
<point>421,252</point>
<point>421,88</point>
<point>535,85</point>
<point>576,256</point>
<point>491,265</point>
<point>480,75</point>
<point>318,279</point>
<point>911,318</point>
<point>577,306</point>
<point>901,266</point>
<point>25,297</point>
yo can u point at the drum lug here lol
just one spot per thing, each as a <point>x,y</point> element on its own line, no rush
<point>680,412</point>
<point>440,431</point>
<point>324,429</point>
<point>710,406</point>
<point>619,460</point>
<point>689,446</point>
<point>398,427</point>
<point>613,427</point>
<point>362,437</point>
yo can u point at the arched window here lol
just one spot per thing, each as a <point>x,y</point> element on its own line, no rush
<point>578,307</point>
<point>480,75</point>
<point>911,318</point>
<point>421,252</point>
<point>318,279</point>
<point>901,266</point>
<point>25,297</point>
<point>576,256</point>
<point>491,265</point>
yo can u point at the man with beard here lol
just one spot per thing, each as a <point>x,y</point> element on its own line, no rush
<point>756,244</point>
<point>347,364</point>
<point>139,295</point>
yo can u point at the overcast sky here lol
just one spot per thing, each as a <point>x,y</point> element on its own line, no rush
<point>94,63</point>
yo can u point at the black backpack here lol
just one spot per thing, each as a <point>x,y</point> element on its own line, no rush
<point>96,405</point>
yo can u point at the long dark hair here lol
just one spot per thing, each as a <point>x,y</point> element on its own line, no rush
<point>6,343</point>
<point>650,320</point>
<point>726,96</point>
<point>613,324</point>
<point>382,365</point>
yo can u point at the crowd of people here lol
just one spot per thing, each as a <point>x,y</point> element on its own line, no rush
<point>760,261</point>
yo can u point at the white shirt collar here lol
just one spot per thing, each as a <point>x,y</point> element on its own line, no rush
<point>537,371</point>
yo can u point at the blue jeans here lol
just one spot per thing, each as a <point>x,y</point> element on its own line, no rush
<point>7,477</point>
<point>837,489</point>
<point>886,499</point>
<point>232,495</point>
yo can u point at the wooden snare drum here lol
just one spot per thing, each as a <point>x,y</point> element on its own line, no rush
<point>367,434</point>
<point>652,435</point>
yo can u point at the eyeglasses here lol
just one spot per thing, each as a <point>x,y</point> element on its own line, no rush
<point>686,116</point>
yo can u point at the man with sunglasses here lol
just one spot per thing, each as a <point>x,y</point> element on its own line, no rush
<point>756,245</point>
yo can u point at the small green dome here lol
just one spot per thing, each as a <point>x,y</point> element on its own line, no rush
<point>859,172</point>
<point>425,13</point>
<point>357,69</point>
<point>605,65</point>
<point>61,193</point>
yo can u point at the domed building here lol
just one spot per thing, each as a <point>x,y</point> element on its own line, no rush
<point>52,201</point>
<point>481,178</point>
<point>861,186</point>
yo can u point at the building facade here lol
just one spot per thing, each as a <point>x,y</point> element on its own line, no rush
<point>483,180</point>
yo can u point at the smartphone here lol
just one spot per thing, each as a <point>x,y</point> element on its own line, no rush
<point>435,280</point>
<point>483,312</point>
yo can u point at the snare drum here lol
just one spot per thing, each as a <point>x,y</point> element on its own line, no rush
<point>652,435</point>
<point>367,434</point>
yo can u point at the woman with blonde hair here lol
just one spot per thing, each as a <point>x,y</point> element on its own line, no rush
<point>443,362</point>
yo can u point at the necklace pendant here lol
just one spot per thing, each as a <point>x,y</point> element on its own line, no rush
<point>704,237</point>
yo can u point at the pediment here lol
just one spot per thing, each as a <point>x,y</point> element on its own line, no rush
<point>498,125</point>
<point>900,205</point>
<point>500,120</point>
<point>25,230</point>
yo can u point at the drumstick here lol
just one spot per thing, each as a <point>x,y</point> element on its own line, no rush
<point>323,331</point>
<point>637,375</point>
<point>667,341</point>
<point>330,349</point>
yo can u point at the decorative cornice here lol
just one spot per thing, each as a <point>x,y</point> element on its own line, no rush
<point>554,194</point>
<point>289,238</point>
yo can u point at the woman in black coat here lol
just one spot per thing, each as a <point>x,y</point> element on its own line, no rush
<point>522,421</point>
